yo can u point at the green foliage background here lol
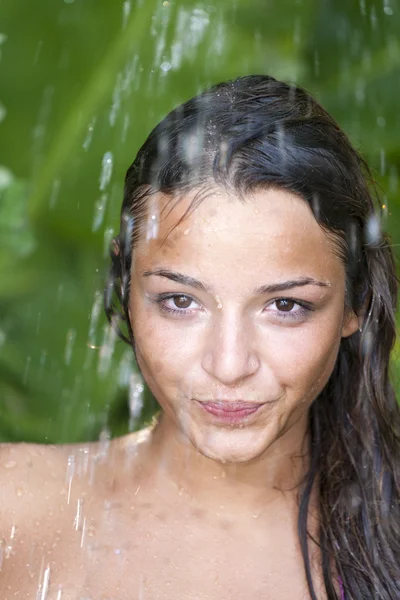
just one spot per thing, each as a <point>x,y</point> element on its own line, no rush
<point>79,78</point>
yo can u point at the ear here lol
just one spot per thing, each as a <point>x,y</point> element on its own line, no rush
<point>351,323</point>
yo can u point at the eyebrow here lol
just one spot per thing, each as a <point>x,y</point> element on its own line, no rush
<point>264,289</point>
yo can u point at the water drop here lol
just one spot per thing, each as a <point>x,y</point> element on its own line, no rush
<point>126,11</point>
<point>70,474</point>
<point>387,9</point>
<point>373,230</point>
<point>26,371</point>
<point>136,391</point>
<point>44,585</point>
<point>89,135</point>
<point>152,225</point>
<point>78,516</point>
<point>116,101</point>
<point>108,236</point>
<point>3,112</point>
<point>107,349</point>
<point>69,346</point>
<point>6,177</point>
<point>99,210</point>
<point>94,318</point>
<point>165,66</point>
<point>3,337</point>
<point>55,190</point>
<point>106,170</point>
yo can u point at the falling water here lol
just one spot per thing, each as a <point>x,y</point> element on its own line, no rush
<point>82,88</point>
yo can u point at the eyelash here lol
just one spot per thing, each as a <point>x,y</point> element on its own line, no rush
<point>305,307</point>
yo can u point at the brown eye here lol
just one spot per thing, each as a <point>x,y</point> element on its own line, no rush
<point>182,301</point>
<point>285,305</point>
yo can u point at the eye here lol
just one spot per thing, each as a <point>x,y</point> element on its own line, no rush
<point>289,308</point>
<point>181,302</point>
<point>177,304</point>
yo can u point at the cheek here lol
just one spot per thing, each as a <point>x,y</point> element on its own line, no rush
<point>163,350</point>
<point>307,357</point>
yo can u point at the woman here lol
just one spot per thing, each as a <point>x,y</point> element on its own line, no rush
<point>258,295</point>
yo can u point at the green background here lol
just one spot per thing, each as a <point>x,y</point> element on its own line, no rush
<point>82,78</point>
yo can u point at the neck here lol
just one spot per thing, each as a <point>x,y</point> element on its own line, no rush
<point>277,473</point>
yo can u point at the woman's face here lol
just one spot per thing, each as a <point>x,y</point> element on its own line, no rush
<point>237,317</point>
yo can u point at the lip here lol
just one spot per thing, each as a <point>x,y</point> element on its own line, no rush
<point>231,411</point>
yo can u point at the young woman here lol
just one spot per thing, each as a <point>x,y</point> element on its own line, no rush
<point>258,295</point>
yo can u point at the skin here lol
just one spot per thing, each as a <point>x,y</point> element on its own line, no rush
<point>193,508</point>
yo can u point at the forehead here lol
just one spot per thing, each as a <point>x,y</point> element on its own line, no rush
<point>270,230</point>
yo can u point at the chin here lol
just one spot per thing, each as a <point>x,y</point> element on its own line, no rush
<point>227,447</point>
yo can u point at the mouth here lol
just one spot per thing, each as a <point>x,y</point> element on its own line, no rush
<point>231,411</point>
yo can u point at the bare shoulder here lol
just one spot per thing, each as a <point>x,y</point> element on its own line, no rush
<point>33,477</point>
<point>52,501</point>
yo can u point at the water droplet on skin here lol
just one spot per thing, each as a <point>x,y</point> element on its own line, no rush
<point>44,585</point>
<point>78,516</point>
<point>152,225</point>
<point>20,492</point>
<point>70,474</point>
<point>186,232</point>
<point>219,302</point>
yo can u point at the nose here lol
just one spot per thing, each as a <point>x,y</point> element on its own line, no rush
<point>230,354</point>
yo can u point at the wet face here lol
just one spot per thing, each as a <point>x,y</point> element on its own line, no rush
<point>238,316</point>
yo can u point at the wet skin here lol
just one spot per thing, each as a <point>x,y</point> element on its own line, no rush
<point>195,507</point>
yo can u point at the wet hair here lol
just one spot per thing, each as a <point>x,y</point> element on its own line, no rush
<point>254,133</point>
